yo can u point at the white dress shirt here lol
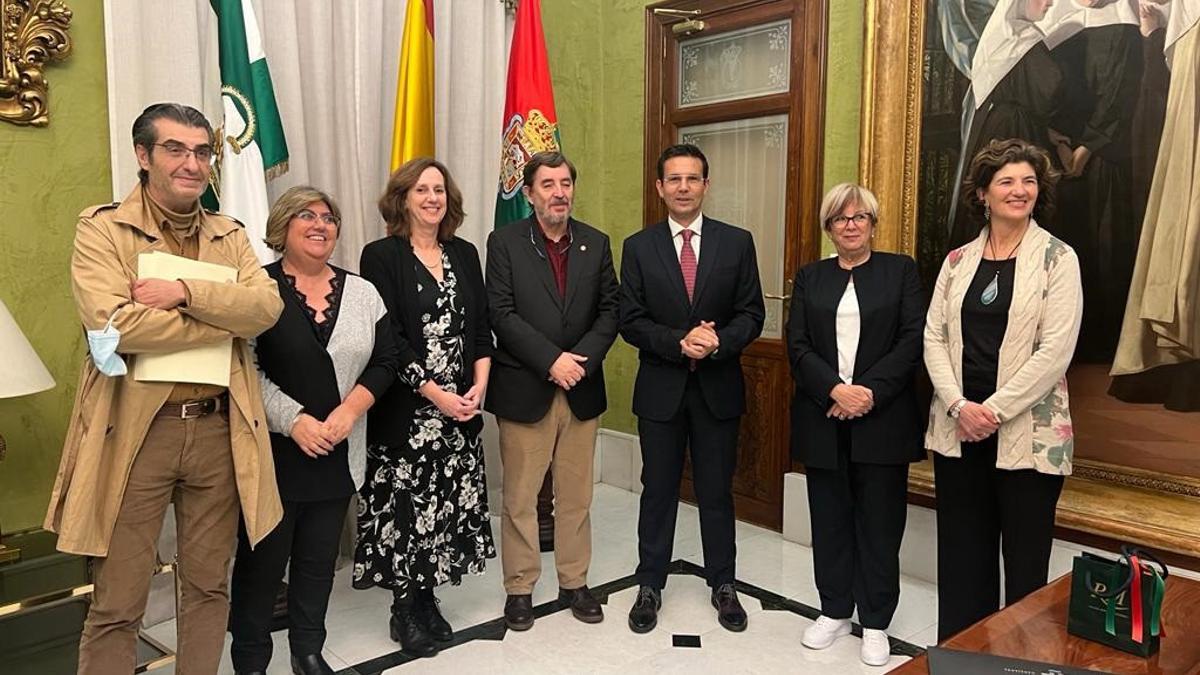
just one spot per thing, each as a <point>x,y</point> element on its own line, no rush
<point>677,239</point>
<point>849,325</point>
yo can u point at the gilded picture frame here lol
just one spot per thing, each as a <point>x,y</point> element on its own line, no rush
<point>1121,502</point>
<point>33,34</point>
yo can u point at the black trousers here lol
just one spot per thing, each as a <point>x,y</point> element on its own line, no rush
<point>858,513</point>
<point>308,534</point>
<point>981,512</point>
<point>713,445</point>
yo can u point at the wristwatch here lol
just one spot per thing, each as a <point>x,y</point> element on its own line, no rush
<point>957,408</point>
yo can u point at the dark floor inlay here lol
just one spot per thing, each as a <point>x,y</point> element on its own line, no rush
<point>685,640</point>
<point>495,629</point>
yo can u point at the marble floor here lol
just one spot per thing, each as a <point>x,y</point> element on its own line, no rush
<point>779,596</point>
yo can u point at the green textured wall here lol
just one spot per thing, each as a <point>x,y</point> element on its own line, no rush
<point>599,93</point>
<point>596,53</point>
<point>47,176</point>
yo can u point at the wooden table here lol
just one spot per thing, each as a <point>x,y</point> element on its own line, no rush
<point>1036,629</point>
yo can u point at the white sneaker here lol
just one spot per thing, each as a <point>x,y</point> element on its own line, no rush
<point>824,631</point>
<point>875,647</point>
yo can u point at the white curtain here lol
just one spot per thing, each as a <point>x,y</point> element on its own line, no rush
<point>333,66</point>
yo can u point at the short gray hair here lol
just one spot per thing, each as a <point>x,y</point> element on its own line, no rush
<point>843,195</point>
<point>288,206</point>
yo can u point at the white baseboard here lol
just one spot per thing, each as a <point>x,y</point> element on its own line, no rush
<point>619,460</point>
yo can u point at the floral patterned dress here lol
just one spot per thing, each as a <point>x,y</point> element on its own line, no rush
<point>422,514</point>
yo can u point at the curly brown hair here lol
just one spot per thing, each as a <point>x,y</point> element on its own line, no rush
<point>998,154</point>
<point>392,203</point>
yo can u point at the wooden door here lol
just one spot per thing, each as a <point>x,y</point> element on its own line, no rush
<point>748,88</point>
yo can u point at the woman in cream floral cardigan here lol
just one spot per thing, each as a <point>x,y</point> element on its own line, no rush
<point>1000,333</point>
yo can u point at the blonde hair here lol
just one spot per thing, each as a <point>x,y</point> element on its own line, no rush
<point>288,206</point>
<point>843,195</point>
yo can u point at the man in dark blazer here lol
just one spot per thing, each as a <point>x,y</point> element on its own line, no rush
<point>691,301</point>
<point>553,302</point>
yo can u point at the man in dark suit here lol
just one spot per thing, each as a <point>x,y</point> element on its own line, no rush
<point>691,301</point>
<point>553,303</point>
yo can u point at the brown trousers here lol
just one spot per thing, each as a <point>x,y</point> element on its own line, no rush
<point>189,462</point>
<point>567,445</point>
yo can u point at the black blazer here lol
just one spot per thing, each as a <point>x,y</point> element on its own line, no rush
<point>892,313</point>
<point>389,263</point>
<point>534,324</point>
<point>290,355</point>
<point>656,315</point>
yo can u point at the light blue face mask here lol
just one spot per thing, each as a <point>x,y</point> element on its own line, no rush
<point>103,346</point>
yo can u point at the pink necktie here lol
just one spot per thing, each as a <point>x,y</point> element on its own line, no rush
<point>687,262</point>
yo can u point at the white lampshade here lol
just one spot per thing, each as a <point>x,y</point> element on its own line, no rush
<point>21,371</point>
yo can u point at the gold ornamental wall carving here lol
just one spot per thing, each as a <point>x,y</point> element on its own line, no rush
<point>33,34</point>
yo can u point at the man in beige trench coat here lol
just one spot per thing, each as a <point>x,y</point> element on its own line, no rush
<point>133,447</point>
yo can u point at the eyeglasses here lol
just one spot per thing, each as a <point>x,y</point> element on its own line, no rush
<point>861,218</point>
<point>326,218</point>
<point>178,151</point>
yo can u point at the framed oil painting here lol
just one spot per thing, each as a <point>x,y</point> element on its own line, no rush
<point>1110,89</point>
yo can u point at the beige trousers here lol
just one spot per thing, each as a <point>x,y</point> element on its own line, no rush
<point>566,445</point>
<point>189,462</point>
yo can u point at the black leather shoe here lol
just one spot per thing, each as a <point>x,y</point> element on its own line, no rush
<point>643,616</point>
<point>426,609</point>
<point>518,612</point>
<point>249,672</point>
<point>584,606</point>
<point>412,637</point>
<point>730,614</point>
<point>312,664</point>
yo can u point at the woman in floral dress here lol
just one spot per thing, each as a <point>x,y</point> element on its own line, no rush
<point>422,515</point>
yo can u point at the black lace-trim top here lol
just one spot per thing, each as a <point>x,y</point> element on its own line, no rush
<point>323,329</point>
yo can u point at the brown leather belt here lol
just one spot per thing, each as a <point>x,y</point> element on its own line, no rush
<point>193,409</point>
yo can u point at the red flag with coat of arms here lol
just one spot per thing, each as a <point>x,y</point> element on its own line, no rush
<point>530,123</point>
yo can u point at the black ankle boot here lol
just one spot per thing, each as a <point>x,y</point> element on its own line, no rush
<point>430,617</point>
<point>406,629</point>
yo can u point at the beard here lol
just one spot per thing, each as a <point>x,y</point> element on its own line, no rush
<point>547,217</point>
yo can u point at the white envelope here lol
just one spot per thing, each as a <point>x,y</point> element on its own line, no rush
<point>208,364</point>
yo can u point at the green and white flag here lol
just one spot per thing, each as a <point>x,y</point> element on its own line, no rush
<point>253,149</point>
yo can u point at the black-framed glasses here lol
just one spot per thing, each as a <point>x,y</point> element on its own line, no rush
<point>326,218</point>
<point>178,151</point>
<point>861,218</point>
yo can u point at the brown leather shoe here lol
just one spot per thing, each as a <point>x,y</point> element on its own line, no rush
<point>584,606</point>
<point>730,614</point>
<point>518,612</point>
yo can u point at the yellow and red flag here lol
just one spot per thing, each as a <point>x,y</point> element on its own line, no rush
<point>530,123</point>
<point>412,135</point>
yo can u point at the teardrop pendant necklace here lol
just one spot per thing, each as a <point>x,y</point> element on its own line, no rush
<point>992,291</point>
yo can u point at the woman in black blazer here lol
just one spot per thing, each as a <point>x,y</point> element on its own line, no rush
<point>423,516</point>
<point>324,362</point>
<point>854,342</point>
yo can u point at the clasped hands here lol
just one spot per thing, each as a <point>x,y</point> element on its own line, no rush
<point>976,422</point>
<point>458,408</point>
<point>567,370</point>
<point>700,341</point>
<point>317,438</point>
<point>1073,159</point>
<point>158,293</point>
<point>850,401</point>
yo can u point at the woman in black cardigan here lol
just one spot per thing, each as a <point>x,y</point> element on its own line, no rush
<point>854,342</point>
<point>327,359</point>
<point>423,517</point>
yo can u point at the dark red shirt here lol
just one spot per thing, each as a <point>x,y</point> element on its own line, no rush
<point>556,255</point>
